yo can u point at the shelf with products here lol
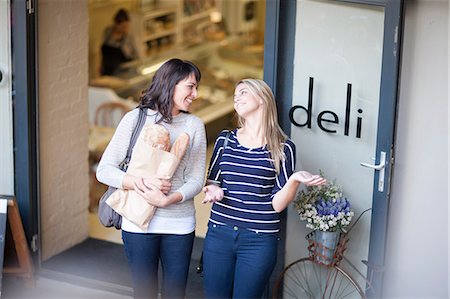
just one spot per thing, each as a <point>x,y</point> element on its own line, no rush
<point>160,45</point>
<point>154,29</point>
<point>159,34</point>
<point>200,22</point>
<point>196,7</point>
<point>198,16</point>
<point>180,24</point>
<point>159,12</point>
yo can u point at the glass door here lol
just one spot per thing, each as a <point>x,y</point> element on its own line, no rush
<point>6,119</point>
<point>343,112</point>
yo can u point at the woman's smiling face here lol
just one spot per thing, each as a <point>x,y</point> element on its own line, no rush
<point>185,92</point>
<point>245,102</point>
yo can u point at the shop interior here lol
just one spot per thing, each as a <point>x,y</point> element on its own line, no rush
<point>225,39</point>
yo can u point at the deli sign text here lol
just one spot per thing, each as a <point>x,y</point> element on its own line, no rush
<point>327,116</point>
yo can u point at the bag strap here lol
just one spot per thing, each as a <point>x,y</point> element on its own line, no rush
<point>225,143</point>
<point>134,136</point>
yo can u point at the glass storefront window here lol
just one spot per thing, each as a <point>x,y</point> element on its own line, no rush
<point>225,39</point>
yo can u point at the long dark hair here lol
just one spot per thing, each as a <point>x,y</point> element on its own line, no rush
<point>159,96</point>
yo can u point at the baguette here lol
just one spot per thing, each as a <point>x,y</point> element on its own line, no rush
<point>157,136</point>
<point>180,145</point>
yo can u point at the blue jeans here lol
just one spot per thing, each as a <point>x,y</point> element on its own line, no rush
<point>237,263</point>
<point>144,251</point>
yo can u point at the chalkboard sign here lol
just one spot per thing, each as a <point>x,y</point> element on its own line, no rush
<point>9,214</point>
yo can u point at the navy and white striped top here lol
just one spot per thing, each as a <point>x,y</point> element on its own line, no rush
<point>249,182</point>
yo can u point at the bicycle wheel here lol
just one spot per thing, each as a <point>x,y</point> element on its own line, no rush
<point>305,278</point>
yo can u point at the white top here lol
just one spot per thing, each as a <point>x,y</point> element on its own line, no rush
<point>188,179</point>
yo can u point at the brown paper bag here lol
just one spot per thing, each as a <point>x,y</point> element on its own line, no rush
<point>145,161</point>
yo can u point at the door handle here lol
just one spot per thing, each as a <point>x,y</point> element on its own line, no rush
<point>380,168</point>
<point>376,167</point>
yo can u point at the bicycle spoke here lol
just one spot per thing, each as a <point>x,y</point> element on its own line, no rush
<point>298,279</point>
<point>327,286</point>
<point>308,279</point>
<point>346,289</point>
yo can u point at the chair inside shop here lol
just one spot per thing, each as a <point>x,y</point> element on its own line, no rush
<point>109,114</point>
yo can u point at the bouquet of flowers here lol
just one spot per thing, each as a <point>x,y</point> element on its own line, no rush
<point>324,207</point>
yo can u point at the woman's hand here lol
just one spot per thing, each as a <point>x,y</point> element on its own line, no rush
<point>308,179</point>
<point>213,193</point>
<point>162,184</point>
<point>287,194</point>
<point>151,193</point>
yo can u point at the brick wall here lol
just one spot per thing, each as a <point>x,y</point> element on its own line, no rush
<point>63,123</point>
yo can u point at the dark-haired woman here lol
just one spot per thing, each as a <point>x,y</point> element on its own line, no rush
<point>170,235</point>
<point>118,44</point>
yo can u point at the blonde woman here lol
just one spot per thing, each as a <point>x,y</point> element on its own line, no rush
<point>250,182</point>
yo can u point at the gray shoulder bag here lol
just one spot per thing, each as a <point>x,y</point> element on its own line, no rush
<point>107,216</point>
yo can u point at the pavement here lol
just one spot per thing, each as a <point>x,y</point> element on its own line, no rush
<point>15,288</point>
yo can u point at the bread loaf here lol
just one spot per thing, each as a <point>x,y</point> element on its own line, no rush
<point>180,145</point>
<point>157,136</point>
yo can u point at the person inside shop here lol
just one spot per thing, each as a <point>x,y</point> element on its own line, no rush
<point>170,235</point>
<point>118,44</point>
<point>251,180</point>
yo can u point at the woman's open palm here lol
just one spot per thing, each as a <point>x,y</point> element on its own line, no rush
<point>308,179</point>
<point>213,193</point>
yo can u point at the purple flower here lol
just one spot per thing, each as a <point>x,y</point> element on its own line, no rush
<point>328,207</point>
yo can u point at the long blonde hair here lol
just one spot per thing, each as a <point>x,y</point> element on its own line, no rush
<point>272,132</point>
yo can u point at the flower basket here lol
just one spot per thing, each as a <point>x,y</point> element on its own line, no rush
<point>326,243</point>
<point>327,248</point>
<point>328,213</point>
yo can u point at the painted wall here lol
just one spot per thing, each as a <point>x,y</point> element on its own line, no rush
<point>417,251</point>
<point>63,123</point>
